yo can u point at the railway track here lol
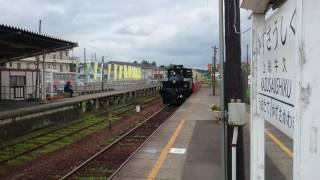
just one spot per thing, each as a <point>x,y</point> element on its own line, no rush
<point>34,143</point>
<point>109,161</point>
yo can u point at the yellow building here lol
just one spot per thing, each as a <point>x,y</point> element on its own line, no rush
<point>123,71</point>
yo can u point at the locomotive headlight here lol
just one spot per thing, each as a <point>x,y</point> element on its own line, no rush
<point>174,81</point>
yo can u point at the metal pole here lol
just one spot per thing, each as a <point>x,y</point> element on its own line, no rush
<point>212,75</point>
<point>247,67</point>
<point>40,26</point>
<point>222,123</point>
<point>102,73</point>
<point>43,77</point>
<point>37,77</point>
<point>84,71</point>
<point>214,70</point>
<point>38,70</point>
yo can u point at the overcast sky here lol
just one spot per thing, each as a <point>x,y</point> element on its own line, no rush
<point>165,31</point>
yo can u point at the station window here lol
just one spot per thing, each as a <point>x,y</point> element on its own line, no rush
<point>61,68</point>
<point>17,81</point>
<point>53,56</point>
<point>18,65</point>
<point>60,54</point>
<point>10,64</point>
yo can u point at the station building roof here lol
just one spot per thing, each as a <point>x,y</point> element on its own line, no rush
<point>133,64</point>
<point>125,63</point>
<point>17,43</point>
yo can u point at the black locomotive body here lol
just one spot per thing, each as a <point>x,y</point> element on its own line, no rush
<point>178,85</point>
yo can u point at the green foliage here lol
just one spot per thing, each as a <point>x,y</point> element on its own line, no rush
<point>215,107</point>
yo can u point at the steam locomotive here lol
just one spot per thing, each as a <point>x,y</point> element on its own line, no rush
<point>178,85</point>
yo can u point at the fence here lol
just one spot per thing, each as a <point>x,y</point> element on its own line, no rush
<point>32,93</point>
<point>97,87</point>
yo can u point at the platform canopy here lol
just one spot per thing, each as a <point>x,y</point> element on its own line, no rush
<point>17,43</point>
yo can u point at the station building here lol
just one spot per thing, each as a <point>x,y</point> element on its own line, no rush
<point>118,71</point>
<point>32,65</point>
<point>18,78</point>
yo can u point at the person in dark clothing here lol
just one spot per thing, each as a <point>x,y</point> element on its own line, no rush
<point>68,88</point>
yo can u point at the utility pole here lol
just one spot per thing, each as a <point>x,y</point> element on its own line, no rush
<point>37,90</point>
<point>84,70</point>
<point>214,70</point>
<point>233,81</point>
<point>102,73</point>
<point>247,68</point>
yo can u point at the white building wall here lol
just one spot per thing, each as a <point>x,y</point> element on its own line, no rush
<point>56,61</point>
<point>7,91</point>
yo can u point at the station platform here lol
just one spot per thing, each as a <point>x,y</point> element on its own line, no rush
<point>187,146</point>
<point>7,105</point>
<point>19,108</point>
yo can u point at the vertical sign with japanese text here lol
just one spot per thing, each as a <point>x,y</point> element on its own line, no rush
<point>276,74</point>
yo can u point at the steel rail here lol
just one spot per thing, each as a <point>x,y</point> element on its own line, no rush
<point>72,172</point>
<point>135,152</point>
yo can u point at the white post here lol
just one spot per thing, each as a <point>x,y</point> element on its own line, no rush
<point>307,124</point>
<point>234,152</point>
<point>257,138</point>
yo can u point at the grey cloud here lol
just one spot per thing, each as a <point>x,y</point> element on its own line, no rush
<point>168,31</point>
<point>135,30</point>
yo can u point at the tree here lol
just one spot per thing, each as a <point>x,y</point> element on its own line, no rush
<point>145,62</point>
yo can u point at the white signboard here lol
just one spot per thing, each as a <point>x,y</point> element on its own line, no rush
<point>285,84</point>
<point>275,68</point>
<point>178,150</point>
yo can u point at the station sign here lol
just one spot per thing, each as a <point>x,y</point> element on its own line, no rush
<point>285,83</point>
<point>276,75</point>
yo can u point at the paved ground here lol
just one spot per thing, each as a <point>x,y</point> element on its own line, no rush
<point>198,137</point>
<point>9,105</point>
<point>279,166</point>
<point>275,155</point>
